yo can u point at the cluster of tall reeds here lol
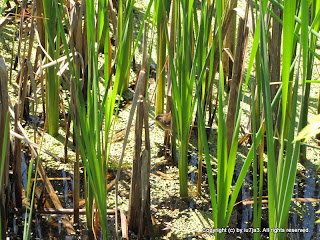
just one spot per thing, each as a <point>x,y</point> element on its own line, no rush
<point>283,154</point>
<point>124,37</point>
<point>198,44</point>
<point>94,116</point>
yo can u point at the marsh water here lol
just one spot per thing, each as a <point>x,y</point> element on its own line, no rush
<point>303,213</point>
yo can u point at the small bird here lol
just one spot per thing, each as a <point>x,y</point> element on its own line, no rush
<point>164,120</point>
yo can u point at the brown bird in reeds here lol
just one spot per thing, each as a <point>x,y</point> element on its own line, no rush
<point>164,120</point>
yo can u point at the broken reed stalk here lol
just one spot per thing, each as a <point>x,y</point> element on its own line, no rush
<point>20,109</point>
<point>225,26</point>
<point>135,190</point>
<point>139,211</point>
<point>237,76</point>
<point>19,189</point>
<point>76,166</point>
<point>141,159</point>
<point>125,141</point>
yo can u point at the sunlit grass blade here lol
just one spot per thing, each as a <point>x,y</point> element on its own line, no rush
<point>4,148</point>
<point>160,19</point>
<point>53,81</point>
<point>272,187</point>
<point>256,210</point>
<point>288,173</point>
<point>288,44</point>
<point>124,49</point>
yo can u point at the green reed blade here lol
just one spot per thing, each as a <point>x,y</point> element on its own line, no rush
<point>52,80</point>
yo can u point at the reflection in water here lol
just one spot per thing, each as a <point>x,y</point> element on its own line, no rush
<point>65,186</point>
<point>309,215</point>
<point>24,170</point>
<point>302,214</point>
<point>38,226</point>
<point>294,217</point>
<point>246,209</point>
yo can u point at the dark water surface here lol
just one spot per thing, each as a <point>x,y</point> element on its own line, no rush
<point>49,226</point>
